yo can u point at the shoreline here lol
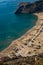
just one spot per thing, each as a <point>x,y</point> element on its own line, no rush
<point>16,35</point>
<point>20,43</point>
<point>19,38</point>
<point>22,35</point>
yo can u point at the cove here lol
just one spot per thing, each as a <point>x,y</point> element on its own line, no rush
<point>13,26</point>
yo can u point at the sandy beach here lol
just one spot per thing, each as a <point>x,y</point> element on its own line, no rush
<point>31,43</point>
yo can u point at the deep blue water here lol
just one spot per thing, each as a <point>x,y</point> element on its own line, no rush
<point>13,26</point>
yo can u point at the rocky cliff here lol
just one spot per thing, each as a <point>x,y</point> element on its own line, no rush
<point>26,7</point>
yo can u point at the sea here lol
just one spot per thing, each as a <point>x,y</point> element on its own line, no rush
<point>13,26</point>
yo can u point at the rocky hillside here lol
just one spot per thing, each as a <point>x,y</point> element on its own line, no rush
<point>26,7</point>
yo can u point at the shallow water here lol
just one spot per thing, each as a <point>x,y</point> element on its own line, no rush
<point>13,26</point>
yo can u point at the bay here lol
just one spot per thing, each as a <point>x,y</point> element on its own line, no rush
<point>13,26</point>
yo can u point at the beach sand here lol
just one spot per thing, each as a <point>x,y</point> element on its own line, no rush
<point>31,43</point>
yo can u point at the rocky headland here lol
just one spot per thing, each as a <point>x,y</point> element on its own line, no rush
<point>26,7</point>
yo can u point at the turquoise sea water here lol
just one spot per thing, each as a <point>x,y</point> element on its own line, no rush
<point>13,26</point>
